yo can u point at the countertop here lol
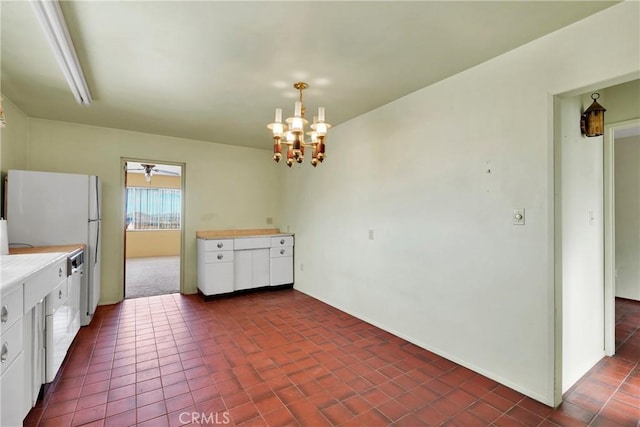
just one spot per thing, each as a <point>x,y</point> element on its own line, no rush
<point>68,249</point>
<point>15,268</point>
<point>22,262</point>
<point>232,234</point>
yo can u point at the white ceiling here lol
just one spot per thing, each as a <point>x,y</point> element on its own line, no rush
<point>215,71</point>
<point>628,132</point>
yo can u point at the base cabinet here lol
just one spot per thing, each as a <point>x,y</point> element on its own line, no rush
<point>23,332</point>
<point>215,266</point>
<point>221,281</point>
<point>281,271</point>
<point>227,265</point>
<point>12,393</point>
<point>13,408</point>
<point>281,257</point>
<point>251,269</point>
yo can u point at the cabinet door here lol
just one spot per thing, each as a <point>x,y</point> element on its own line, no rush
<point>251,269</point>
<point>260,268</point>
<point>242,270</point>
<point>12,393</point>
<point>281,270</point>
<point>218,278</point>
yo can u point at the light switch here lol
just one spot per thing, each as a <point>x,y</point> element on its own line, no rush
<point>518,216</point>
<point>370,234</point>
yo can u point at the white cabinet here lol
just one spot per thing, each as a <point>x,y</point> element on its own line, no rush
<point>281,258</point>
<point>11,346</point>
<point>60,334</point>
<point>240,263</point>
<point>281,241</point>
<point>25,281</point>
<point>12,309</point>
<point>215,266</point>
<point>251,262</point>
<point>34,354</point>
<point>11,394</point>
<point>12,408</point>
<point>251,269</point>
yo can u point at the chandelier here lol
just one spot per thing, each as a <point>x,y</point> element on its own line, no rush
<point>292,134</point>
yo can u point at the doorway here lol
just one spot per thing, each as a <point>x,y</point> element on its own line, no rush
<point>621,220</point>
<point>153,231</point>
<point>585,244</point>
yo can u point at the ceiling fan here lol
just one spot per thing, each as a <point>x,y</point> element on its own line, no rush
<point>150,169</point>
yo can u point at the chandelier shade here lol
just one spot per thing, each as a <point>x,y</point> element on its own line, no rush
<point>291,133</point>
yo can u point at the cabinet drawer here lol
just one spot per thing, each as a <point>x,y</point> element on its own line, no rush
<point>281,252</point>
<point>219,244</point>
<point>11,310</point>
<point>42,283</point>
<point>10,345</point>
<point>56,298</point>
<point>218,256</point>
<point>281,241</point>
<point>252,243</point>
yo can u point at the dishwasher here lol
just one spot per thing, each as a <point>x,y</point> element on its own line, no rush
<point>62,316</point>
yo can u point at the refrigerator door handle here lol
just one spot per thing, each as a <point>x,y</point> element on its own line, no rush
<point>97,198</point>
<point>95,261</point>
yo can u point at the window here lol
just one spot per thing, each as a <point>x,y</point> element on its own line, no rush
<point>153,208</point>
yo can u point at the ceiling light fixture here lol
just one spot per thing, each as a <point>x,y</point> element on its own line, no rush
<point>292,134</point>
<point>55,28</point>
<point>148,171</point>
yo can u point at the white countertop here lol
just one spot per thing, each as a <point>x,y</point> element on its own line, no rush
<point>15,268</point>
<point>240,233</point>
<point>263,235</point>
<point>250,236</point>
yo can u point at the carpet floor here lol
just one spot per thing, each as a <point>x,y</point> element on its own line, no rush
<point>151,276</point>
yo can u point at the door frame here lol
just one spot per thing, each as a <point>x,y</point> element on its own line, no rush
<point>123,216</point>
<point>610,233</point>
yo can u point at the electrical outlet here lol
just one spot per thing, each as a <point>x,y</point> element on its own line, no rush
<point>371,235</point>
<point>301,267</point>
<point>269,220</point>
<point>518,216</point>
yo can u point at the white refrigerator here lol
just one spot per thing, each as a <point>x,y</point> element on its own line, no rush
<point>46,208</point>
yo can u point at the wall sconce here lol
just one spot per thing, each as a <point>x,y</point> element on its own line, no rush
<point>592,120</point>
<point>3,121</point>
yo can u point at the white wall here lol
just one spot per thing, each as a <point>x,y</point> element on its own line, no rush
<point>226,187</point>
<point>447,269</point>
<point>582,244</point>
<point>622,101</point>
<point>627,189</point>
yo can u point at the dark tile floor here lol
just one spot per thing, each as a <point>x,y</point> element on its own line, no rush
<point>283,358</point>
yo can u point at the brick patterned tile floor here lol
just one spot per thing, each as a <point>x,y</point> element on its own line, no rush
<point>282,358</point>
